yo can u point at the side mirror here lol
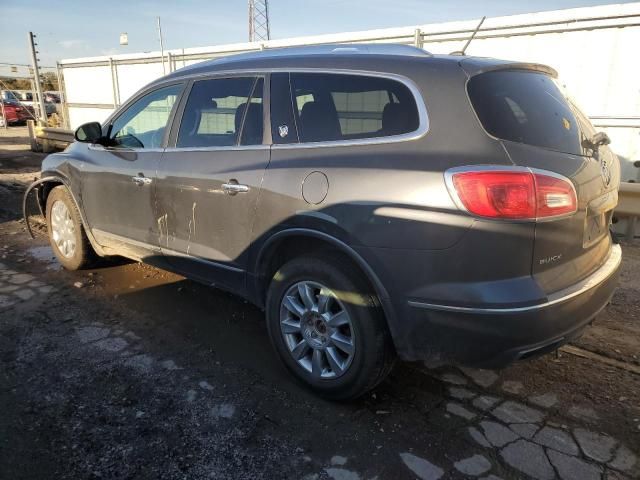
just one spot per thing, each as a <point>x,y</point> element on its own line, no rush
<point>89,133</point>
<point>600,138</point>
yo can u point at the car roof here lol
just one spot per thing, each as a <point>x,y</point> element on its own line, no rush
<point>299,56</point>
<point>366,56</point>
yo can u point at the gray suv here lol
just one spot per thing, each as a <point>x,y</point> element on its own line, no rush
<point>376,200</point>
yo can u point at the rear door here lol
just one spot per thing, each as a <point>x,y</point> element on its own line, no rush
<point>209,180</point>
<point>541,128</point>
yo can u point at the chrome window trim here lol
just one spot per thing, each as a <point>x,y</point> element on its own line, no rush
<point>597,278</point>
<point>448,178</point>
<point>101,148</point>
<point>216,149</point>
<point>423,116</point>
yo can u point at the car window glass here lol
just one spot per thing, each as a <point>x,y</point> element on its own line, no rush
<point>345,107</point>
<point>143,124</point>
<point>215,111</point>
<point>252,127</point>
<point>529,107</point>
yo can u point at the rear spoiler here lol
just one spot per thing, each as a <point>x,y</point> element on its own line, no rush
<point>476,66</point>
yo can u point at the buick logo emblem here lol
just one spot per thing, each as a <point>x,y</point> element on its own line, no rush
<point>605,172</point>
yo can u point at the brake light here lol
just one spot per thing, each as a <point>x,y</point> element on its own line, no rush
<point>513,194</point>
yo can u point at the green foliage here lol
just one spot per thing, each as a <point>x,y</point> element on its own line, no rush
<point>48,80</point>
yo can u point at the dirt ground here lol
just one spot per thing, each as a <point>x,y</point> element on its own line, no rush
<point>129,372</point>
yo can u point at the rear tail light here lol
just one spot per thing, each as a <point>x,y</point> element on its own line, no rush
<point>518,194</point>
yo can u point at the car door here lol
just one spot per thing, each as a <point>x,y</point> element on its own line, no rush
<point>209,179</point>
<point>117,179</point>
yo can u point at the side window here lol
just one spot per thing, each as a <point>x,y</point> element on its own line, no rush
<point>143,124</point>
<point>333,107</point>
<point>215,112</point>
<point>253,124</point>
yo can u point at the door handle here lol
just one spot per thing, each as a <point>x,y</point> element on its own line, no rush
<point>232,187</point>
<point>141,180</point>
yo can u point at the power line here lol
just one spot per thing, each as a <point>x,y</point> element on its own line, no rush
<point>21,65</point>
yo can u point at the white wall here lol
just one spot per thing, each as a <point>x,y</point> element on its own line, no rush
<point>133,77</point>
<point>88,85</point>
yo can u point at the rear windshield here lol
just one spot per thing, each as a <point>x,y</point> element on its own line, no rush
<point>528,107</point>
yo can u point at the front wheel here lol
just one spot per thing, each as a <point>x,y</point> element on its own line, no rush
<point>66,233</point>
<point>327,328</point>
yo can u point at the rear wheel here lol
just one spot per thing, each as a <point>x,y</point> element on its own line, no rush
<point>327,328</point>
<point>66,233</point>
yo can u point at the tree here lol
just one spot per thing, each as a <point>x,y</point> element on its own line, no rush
<point>12,83</point>
<point>49,81</point>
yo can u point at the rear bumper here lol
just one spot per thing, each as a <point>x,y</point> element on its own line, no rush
<point>494,337</point>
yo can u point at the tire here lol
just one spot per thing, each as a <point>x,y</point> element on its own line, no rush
<point>66,233</point>
<point>333,373</point>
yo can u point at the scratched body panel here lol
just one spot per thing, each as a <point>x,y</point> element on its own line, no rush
<point>197,221</point>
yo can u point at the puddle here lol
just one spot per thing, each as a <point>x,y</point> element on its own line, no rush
<point>45,255</point>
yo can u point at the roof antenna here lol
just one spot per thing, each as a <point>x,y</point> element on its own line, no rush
<point>473,35</point>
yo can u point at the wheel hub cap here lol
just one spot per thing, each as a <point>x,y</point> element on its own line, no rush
<point>317,329</point>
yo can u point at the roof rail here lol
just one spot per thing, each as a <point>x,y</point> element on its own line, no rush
<point>330,49</point>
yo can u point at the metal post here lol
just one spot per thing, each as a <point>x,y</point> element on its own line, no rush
<point>259,20</point>
<point>164,71</point>
<point>631,228</point>
<point>114,92</point>
<point>251,34</point>
<point>170,61</point>
<point>36,75</point>
<point>32,135</point>
<point>4,117</point>
<point>62,99</point>
<point>417,38</point>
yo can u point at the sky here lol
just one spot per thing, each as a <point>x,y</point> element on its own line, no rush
<point>74,28</point>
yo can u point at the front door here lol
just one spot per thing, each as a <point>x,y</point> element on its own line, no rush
<point>118,180</point>
<point>209,182</point>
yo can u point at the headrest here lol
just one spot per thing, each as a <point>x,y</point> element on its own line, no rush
<point>319,122</point>
<point>395,119</point>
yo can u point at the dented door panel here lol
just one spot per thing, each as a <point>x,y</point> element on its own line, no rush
<point>202,228</point>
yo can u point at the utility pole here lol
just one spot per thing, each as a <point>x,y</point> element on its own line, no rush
<point>42,114</point>
<point>164,71</point>
<point>259,20</point>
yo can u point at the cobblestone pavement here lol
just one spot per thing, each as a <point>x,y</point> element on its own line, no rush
<point>467,423</point>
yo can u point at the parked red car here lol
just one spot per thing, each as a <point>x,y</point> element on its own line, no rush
<point>14,112</point>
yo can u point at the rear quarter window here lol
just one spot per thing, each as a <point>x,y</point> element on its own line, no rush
<point>333,107</point>
<point>528,107</point>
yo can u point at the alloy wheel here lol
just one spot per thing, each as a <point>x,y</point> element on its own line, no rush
<point>317,330</point>
<point>63,229</point>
